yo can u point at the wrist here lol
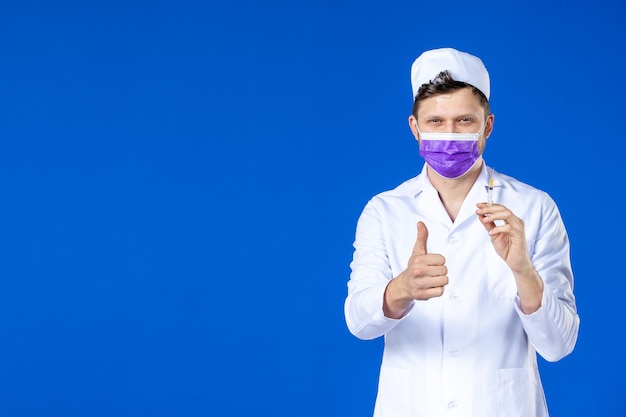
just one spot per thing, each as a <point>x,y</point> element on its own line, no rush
<point>395,304</point>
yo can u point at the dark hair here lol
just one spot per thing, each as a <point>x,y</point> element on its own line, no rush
<point>444,83</point>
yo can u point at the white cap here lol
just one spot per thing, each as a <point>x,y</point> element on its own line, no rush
<point>461,65</point>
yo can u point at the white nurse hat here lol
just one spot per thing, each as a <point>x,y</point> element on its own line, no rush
<point>461,65</point>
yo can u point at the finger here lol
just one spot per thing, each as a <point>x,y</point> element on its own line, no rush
<point>487,210</point>
<point>420,242</point>
<point>429,265</point>
<point>487,221</point>
<point>505,228</point>
<point>428,293</point>
<point>432,282</point>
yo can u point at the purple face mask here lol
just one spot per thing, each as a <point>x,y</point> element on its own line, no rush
<point>451,155</point>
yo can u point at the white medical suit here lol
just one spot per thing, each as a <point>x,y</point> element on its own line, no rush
<point>472,351</point>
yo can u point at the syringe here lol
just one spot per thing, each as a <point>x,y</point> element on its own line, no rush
<point>490,192</point>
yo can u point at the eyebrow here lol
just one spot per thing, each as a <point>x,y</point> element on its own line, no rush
<point>459,116</point>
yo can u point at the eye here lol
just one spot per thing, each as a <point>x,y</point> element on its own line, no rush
<point>466,120</point>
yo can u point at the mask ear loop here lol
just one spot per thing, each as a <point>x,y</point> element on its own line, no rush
<point>419,132</point>
<point>483,129</point>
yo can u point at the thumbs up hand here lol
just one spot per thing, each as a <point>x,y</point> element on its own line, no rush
<point>425,275</point>
<point>424,278</point>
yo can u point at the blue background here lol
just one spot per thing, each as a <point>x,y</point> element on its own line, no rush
<point>180,183</point>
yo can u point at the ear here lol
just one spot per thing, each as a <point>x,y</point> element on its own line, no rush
<point>413,127</point>
<point>489,125</point>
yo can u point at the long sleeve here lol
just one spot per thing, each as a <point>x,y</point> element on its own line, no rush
<point>371,272</point>
<point>553,329</point>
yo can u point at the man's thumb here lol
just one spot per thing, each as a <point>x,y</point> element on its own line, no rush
<point>420,242</point>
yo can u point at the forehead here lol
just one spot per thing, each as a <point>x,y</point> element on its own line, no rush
<point>455,103</point>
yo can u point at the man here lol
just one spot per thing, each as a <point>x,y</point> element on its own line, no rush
<point>465,292</point>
